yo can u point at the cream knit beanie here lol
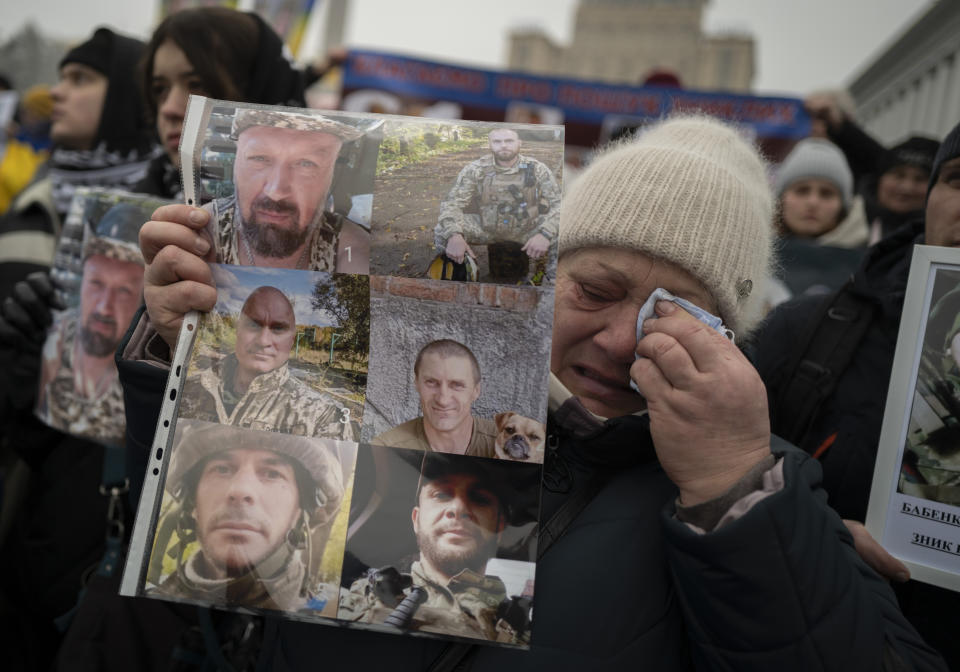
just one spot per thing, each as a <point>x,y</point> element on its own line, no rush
<point>689,191</point>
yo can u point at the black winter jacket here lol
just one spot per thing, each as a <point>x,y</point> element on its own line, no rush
<point>867,158</point>
<point>854,412</point>
<point>628,586</point>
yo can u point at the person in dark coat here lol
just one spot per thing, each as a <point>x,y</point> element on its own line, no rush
<point>101,139</point>
<point>47,557</point>
<point>891,181</point>
<point>702,542</point>
<point>844,432</point>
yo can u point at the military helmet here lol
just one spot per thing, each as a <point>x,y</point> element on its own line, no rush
<point>247,117</point>
<point>315,456</point>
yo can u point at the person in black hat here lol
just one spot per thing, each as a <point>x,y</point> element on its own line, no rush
<point>892,182</point>
<point>844,430</point>
<point>461,509</point>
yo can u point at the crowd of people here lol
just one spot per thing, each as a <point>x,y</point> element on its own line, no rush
<point>697,511</point>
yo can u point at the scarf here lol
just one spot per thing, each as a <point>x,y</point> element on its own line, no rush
<point>98,167</point>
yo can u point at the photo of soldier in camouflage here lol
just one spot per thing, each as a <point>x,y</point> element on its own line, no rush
<point>518,209</point>
<point>448,550</point>
<point>464,201</point>
<point>79,389</point>
<point>252,520</point>
<point>261,363</point>
<point>931,462</point>
<point>270,174</point>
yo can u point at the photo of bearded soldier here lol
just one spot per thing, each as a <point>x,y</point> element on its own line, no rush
<point>462,509</point>
<point>277,215</point>
<point>504,199</point>
<point>258,508</point>
<point>80,392</point>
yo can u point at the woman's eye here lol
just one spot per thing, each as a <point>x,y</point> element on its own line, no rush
<point>593,293</point>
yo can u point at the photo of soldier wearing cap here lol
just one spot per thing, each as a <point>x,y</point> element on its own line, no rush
<point>79,389</point>
<point>277,214</point>
<point>259,363</point>
<point>248,519</point>
<point>460,511</point>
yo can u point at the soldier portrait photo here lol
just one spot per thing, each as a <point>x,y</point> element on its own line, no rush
<point>456,367</point>
<point>931,462</point>
<point>464,201</point>
<point>447,377</point>
<point>282,351</point>
<point>422,559</point>
<point>251,519</point>
<point>79,391</point>
<point>270,175</point>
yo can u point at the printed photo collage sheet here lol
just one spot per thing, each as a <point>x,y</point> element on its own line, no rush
<point>355,434</point>
<point>98,273</point>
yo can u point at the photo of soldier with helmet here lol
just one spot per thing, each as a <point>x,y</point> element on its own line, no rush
<point>441,543</point>
<point>467,201</point>
<point>252,520</point>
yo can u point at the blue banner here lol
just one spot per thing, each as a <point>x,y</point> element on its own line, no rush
<point>579,101</point>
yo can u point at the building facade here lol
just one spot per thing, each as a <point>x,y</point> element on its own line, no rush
<point>913,87</point>
<point>622,41</point>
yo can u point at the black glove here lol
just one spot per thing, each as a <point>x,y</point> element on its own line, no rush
<point>24,318</point>
<point>26,314</point>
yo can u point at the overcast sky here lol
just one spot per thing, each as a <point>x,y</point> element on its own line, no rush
<point>801,46</point>
<point>235,283</point>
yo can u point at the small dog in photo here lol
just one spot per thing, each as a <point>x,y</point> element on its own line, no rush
<point>519,438</point>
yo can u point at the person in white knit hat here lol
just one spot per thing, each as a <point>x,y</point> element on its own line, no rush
<point>675,532</point>
<point>822,226</point>
<point>815,188</point>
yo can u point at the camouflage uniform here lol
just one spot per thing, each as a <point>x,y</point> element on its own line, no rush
<point>280,591</point>
<point>279,580</point>
<point>507,202</point>
<point>62,407</point>
<point>412,435</point>
<point>226,220</point>
<point>275,401</point>
<point>465,607</point>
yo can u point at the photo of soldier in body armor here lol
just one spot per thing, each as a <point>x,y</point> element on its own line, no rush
<point>931,462</point>
<point>445,544</point>
<point>462,201</point>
